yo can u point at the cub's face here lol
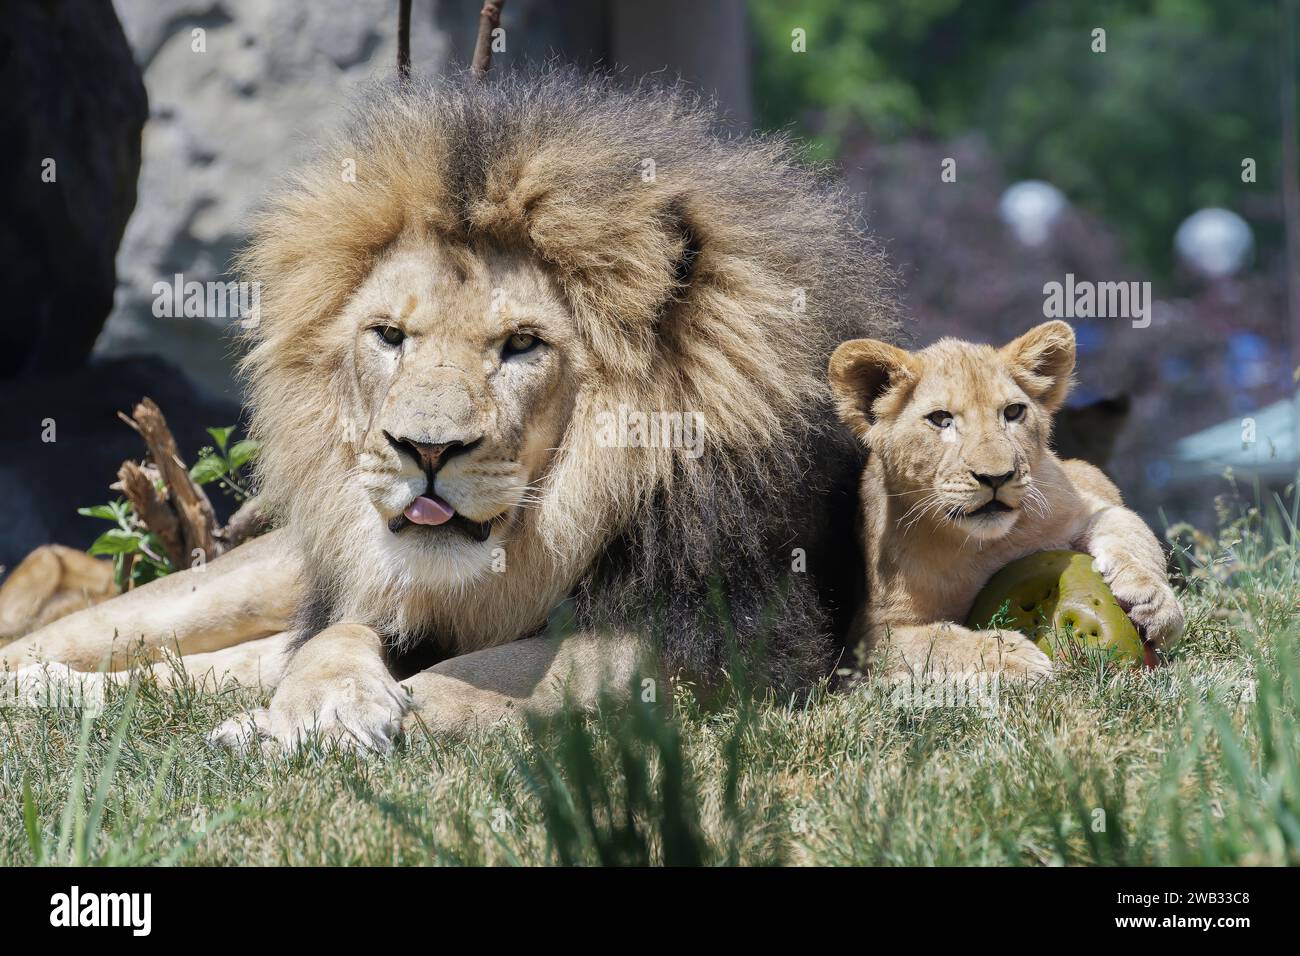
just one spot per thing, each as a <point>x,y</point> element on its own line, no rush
<point>959,429</point>
<point>462,382</point>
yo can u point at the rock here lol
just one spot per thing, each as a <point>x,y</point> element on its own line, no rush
<point>233,109</point>
<point>232,114</point>
<point>72,111</point>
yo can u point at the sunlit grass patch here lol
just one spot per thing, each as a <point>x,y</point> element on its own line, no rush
<point>1197,762</point>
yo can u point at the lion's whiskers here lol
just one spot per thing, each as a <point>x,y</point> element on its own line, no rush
<point>930,504</point>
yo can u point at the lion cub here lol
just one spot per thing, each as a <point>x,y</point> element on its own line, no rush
<point>960,480</point>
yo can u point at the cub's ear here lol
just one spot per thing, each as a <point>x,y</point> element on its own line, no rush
<point>1042,361</point>
<point>862,371</point>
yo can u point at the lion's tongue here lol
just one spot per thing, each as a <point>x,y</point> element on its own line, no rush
<point>428,511</point>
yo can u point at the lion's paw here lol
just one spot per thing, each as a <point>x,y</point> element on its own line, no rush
<point>362,713</point>
<point>1150,603</point>
<point>1014,655</point>
<point>243,733</point>
<point>356,712</point>
<point>50,684</point>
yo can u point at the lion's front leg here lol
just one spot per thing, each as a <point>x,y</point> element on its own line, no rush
<point>1132,563</point>
<point>930,651</point>
<point>537,676</point>
<point>337,687</point>
<point>256,663</point>
<point>248,593</point>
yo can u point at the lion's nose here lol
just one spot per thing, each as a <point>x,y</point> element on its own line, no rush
<point>993,481</point>
<point>430,456</point>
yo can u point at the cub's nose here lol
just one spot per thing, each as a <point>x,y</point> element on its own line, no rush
<point>993,481</point>
<point>430,456</point>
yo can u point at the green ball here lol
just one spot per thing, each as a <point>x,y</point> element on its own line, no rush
<point>1052,594</point>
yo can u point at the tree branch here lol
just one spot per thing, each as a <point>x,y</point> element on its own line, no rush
<point>198,522</point>
<point>137,483</point>
<point>404,40</point>
<point>489,19</point>
<point>248,522</point>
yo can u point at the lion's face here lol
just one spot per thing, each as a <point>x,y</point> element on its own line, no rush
<point>461,371</point>
<point>958,428</point>
<point>405,409</point>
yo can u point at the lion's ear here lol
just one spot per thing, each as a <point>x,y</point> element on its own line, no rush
<point>862,371</point>
<point>1042,361</point>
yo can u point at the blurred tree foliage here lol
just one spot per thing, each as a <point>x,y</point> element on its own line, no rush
<point>1143,134</point>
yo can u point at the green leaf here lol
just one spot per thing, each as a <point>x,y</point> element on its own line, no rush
<point>207,469</point>
<point>221,436</point>
<point>242,452</point>
<point>146,568</point>
<point>116,541</point>
<point>99,511</point>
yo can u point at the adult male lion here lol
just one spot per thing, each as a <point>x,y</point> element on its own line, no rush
<point>467,358</point>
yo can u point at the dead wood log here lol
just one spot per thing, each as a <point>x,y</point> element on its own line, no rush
<point>404,40</point>
<point>198,522</point>
<point>489,18</point>
<point>248,522</point>
<point>179,513</point>
<point>138,484</point>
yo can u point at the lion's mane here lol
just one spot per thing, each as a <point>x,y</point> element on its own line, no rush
<point>707,273</point>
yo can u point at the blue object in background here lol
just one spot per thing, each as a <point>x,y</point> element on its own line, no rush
<point>1089,337</point>
<point>1158,473</point>
<point>1250,363</point>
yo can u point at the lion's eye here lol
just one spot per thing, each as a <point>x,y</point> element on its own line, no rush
<point>940,419</point>
<point>1013,413</point>
<point>390,334</point>
<point>520,343</point>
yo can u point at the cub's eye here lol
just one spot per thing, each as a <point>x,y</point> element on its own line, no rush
<point>1013,413</point>
<point>390,334</point>
<point>519,343</point>
<point>940,419</point>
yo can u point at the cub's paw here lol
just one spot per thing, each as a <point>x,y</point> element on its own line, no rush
<point>1014,655</point>
<point>1149,602</point>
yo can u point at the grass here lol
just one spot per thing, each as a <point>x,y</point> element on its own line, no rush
<point>1194,763</point>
